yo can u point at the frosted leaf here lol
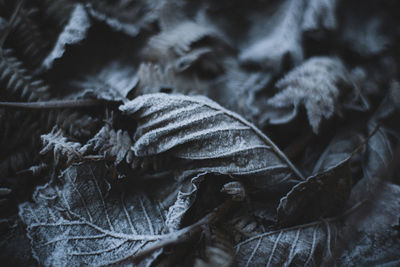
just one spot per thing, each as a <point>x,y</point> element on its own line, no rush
<point>276,37</point>
<point>313,84</point>
<point>113,82</point>
<point>77,219</point>
<point>362,235</point>
<point>74,32</point>
<point>129,17</point>
<point>154,78</point>
<point>320,14</point>
<point>280,36</point>
<point>198,135</point>
<point>176,41</point>
<point>61,147</point>
<point>305,245</point>
<point>111,143</point>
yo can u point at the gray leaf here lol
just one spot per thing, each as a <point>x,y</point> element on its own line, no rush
<point>364,232</point>
<point>111,143</point>
<point>277,33</point>
<point>280,36</point>
<point>129,17</point>
<point>56,142</point>
<point>176,41</point>
<point>322,195</point>
<point>113,82</point>
<point>313,84</point>
<point>338,150</point>
<point>75,219</point>
<point>204,137</point>
<point>154,78</point>
<point>369,236</point>
<point>74,32</point>
<point>305,245</point>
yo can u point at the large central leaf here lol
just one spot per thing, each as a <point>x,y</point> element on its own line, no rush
<point>204,137</point>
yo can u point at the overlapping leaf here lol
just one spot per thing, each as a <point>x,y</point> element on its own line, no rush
<point>316,243</point>
<point>76,220</point>
<point>205,137</point>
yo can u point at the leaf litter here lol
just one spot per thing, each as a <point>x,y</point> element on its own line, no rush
<point>175,133</point>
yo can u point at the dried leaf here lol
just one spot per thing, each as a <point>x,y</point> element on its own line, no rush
<point>155,78</point>
<point>369,237</point>
<point>314,84</point>
<point>338,150</point>
<point>219,251</point>
<point>129,17</point>
<point>61,147</point>
<point>113,82</point>
<point>110,143</point>
<point>74,32</point>
<point>305,245</point>
<point>320,14</point>
<point>322,195</point>
<point>204,137</point>
<point>276,37</point>
<point>77,220</point>
<point>177,41</point>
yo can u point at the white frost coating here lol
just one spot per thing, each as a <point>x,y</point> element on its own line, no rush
<point>75,221</point>
<point>278,37</point>
<point>281,36</point>
<point>313,84</point>
<point>74,32</point>
<point>320,12</point>
<point>214,140</point>
<point>129,29</point>
<point>184,201</point>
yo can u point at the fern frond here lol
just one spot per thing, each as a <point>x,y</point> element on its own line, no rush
<point>27,39</point>
<point>111,143</point>
<point>61,147</point>
<point>74,124</point>
<point>15,79</point>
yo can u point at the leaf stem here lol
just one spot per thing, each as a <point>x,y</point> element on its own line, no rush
<point>54,104</point>
<point>186,233</point>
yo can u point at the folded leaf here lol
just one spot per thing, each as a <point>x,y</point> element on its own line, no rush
<point>204,137</point>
